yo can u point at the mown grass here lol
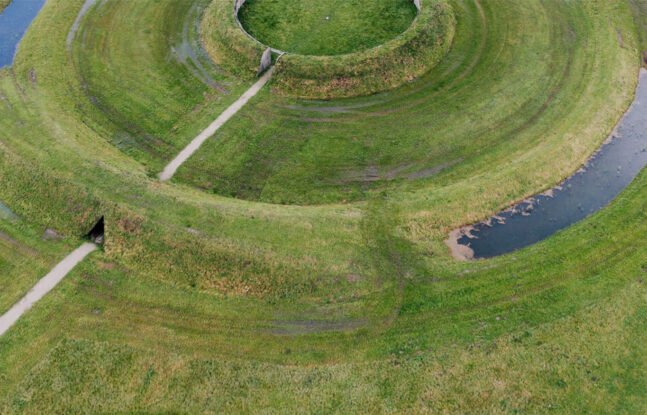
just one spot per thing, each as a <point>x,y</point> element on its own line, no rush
<point>586,374</point>
<point>201,303</point>
<point>26,255</point>
<point>326,27</point>
<point>587,360</point>
<point>124,76</point>
<point>387,66</point>
<point>485,101</point>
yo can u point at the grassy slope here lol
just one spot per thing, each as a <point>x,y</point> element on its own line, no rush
<point>47,114</point>
<point>587,357</point>
<point>639,10</point>
<point>25,257</point>
<point>129,74</point>
<point>486,107</point>
<point>326,27</point>
<point>387,66</point>
<point>154,320</point>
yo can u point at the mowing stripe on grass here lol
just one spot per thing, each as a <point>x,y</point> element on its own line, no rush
<point>45,285</point>
<point>75,26</point>
<point>195,144</point>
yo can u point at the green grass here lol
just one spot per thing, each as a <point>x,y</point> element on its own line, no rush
<point>639,10</point>
<point>483,105</point>
<point>121,82</point>
<point>203,303</point>
<point>25,257</point>
<point>505,377</point>
<point>326,27</point>
<point>387,66</point>
<point>576,347</point>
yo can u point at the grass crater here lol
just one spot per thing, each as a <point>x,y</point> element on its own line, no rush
<point>326,27</point>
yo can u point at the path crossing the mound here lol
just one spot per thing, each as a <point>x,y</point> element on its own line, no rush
<point>45,285</point>
<point>194,145</point>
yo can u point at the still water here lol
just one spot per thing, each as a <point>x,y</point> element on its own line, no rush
<point>14,21</point>
<point>604,176</point>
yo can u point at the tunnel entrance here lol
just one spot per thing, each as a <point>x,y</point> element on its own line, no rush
<point>97,234</point>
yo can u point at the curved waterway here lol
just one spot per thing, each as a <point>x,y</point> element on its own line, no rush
<point>612,168</point>
<point>14,21</point>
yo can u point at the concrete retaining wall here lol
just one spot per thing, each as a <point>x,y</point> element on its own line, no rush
<point>266,61</point>
<point>237,5</point>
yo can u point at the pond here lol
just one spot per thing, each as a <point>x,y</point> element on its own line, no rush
<point>612,168</point>
<point>14,21</point>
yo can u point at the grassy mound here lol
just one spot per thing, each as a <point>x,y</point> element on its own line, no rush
<point>204,303</point>
<point>386,66</point>
<point>488,101</point>
<point>327,27</point>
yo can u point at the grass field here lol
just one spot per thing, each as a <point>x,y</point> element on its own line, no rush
<point>326,27</point>
<point>297,264</point>
<point>25,257</point>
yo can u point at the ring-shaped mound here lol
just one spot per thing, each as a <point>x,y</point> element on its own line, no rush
<point>387,66</point>
<point>326,27</point>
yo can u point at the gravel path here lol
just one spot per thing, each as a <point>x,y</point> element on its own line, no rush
<point>194,145</point>
<point>77,22</point>
<point>45,285</point>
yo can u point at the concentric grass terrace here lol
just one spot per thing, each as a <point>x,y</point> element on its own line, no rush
<point>296,263</point>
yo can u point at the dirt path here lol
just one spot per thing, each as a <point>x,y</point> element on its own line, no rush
<point>45,285</point>
<point>194,145</point>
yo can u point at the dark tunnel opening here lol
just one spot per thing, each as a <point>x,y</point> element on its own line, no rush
<point>97,234</point>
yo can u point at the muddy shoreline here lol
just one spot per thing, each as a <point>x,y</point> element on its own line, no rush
<point>611,168</point>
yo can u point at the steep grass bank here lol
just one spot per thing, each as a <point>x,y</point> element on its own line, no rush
<point>397,61</point>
